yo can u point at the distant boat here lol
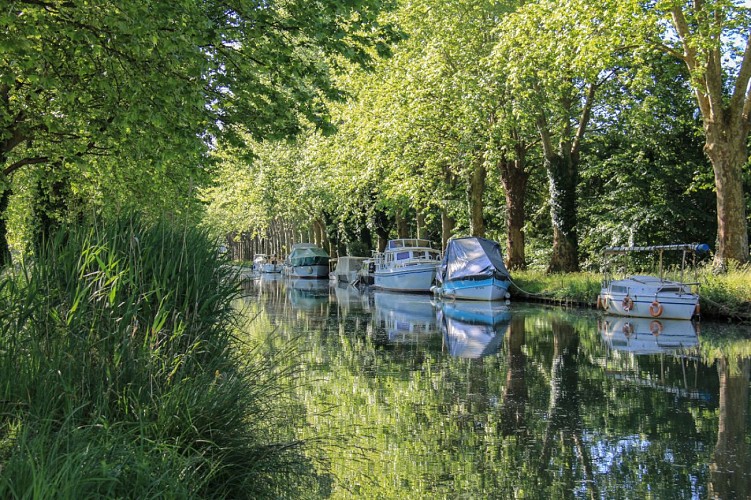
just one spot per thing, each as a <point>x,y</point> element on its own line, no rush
<point>647,296</point>
<point>307,261</point>
<point>271,266</point>
<point>366,273</point>
<point>347,268</point>
<point>258,262</point>
<point>472,269</point>
<point>407,265</point>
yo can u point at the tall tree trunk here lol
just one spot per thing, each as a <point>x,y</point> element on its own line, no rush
<point>726,149</point>
<point>4,248</point>
<point>382,227</point>
<point>475,192</point>
<point>447,227</point>
<point>726,118</point>
<point>420,224</point>
<point>514,177</point>
<point>402,225</point>
<point>562,179</point>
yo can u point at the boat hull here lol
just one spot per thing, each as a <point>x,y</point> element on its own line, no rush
<point>412,278</point>
<point>271,268</point>
<point>487,290</point>
<point>671,306</point>
<point>312,272</point>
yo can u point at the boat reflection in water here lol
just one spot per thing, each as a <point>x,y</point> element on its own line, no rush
<point>473,329</point>
<point>406,317</point>
<point>648,336</point>
<point>307,294</point>
<point>350,299</point>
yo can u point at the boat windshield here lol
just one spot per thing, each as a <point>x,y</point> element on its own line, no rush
<point>407,243</point>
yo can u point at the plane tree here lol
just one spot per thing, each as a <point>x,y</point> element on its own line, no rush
<point>136,84</point>
<point>712,38</point>
<point>556,56</point>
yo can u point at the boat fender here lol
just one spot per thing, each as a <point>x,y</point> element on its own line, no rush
<point>655,327</point>
<point>697,310</point>
<point>655,309</point>
<point>628,303</point>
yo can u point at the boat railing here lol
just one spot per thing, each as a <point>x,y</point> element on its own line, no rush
<point>686,248</point>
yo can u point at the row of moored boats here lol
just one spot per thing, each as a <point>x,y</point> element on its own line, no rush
<point>472,268</point>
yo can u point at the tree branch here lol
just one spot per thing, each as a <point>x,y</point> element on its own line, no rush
<point>26,161</point>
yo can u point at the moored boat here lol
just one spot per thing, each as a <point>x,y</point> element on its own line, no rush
<point>406,265</point>
<point>472,269</point>
<point>259,261</point>
<point>648,296</point>
<point>347,268</point>
<point>271,266</point>
<point>306,260</point>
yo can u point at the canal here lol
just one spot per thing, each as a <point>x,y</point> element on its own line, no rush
<point>403,396</point>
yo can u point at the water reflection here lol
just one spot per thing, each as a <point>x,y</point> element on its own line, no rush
<point>473,329</point>
<point>407,318</point>
<point>433,399</point>
<point>307,294</point>
<point>648,336</point>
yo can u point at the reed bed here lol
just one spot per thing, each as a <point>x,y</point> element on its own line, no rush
<point>120,375</point>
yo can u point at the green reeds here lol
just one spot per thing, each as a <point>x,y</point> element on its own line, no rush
<point>120,377</point>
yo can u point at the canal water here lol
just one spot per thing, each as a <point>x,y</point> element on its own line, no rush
<point>410,397</point>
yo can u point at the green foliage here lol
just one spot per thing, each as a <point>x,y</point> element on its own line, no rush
<point>119,375</point>
<point>125,100</point>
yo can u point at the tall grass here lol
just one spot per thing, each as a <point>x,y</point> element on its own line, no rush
<point>119,375</point>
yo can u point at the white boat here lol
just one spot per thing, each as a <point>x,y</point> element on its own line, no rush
<point>472,269</point>
<point>347,268</point>
<point>407,265</point>
<point>366,273</point>
<point>271,266</point>
<point>649,296</point>
<point>307,261</point>
<point>648,335</point>
<point>259,261</point>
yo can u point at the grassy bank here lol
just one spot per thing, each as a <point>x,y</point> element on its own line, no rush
<point>120,376</point>
<point>723,296</point>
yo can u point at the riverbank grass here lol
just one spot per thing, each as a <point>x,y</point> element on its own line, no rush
<point>120,377</point>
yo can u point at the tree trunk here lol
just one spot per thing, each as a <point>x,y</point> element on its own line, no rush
<point>402,225</point>
<point>382,228</point>
<point>475,192</point>
<point>447,227</point>
<point>515,177</point>
<point>562,178</point>
<point>5,258</point>
<point>420,224</point>
<point>726,149</point>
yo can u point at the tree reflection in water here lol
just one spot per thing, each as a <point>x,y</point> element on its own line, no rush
<point>556,406</point>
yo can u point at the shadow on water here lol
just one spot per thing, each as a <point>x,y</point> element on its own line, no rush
<point>432,399</point>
